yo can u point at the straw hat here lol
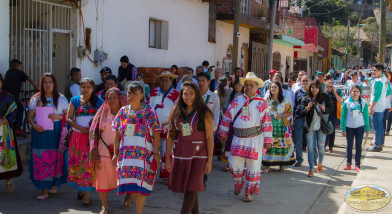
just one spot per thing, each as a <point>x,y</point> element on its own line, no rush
<point>250,76</point>
<point>167,74</point>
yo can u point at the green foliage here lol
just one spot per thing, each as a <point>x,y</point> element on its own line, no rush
<point>354,50</point>
<point>324,10</point>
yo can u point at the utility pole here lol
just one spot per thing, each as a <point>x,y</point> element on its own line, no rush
<point>371,50</point>
<point>236,33</point>
<point>348,36</point>
<point>271,37</point>
<point>383,32</point>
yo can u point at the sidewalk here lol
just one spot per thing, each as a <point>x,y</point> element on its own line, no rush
<point>290,191</point>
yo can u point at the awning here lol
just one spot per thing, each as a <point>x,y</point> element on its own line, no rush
<point>308,47</point>
<point>287,40</point>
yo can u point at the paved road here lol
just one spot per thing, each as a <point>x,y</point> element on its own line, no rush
<point>290,191</point>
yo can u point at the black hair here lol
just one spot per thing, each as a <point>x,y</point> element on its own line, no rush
<point>360,91</point>
<point>354,73</point>
<point>205,63</point>
<point>174,66</point>
<point>124,59</point>
<point>15,63</point>
<point>236,81</point>
<point>93,99</point>
<point>319,97</point>
<point>139,75</point>
<point>134,86</point>
<point>74,71</point>
<point>203,74</point>
<point>280,93</point>
<point>292,78</point>
<point>106,69</point>
<point>111,77</point>
<point>222,82</point>
<point>379,67</point>
<point>279,76</point>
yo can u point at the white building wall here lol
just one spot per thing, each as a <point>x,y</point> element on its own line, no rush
<point>122,28</point>
<point>284,51</point>
<point>224,38</point>
<point>4,36</point>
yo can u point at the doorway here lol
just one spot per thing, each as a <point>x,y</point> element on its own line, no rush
<point>61,59</point>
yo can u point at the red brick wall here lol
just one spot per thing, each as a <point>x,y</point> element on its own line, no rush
<point>296,25</point>
<point>254,7</point>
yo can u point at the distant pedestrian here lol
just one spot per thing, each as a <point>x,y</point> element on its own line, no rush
<point>354,122</point>
<point>126,71</point>
<point>72,87</point>
<point>191,131</point>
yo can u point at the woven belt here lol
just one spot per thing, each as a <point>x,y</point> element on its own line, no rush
<point>249,132</point>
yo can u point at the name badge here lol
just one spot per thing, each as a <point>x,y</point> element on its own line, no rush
<point>186,129</point>
<point>245,111</point>
<point>356,113</point>
<point>130,130</point>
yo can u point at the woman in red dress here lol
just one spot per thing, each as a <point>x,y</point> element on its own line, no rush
<point>191,126</point>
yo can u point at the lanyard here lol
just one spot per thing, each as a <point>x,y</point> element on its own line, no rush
<point>207,99</point>
<point>187,116</point>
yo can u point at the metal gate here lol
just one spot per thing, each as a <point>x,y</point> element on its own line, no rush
<point>33,23</point>
<point>259,59</point>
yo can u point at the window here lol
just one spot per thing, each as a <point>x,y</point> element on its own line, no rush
<point>227,63</point>
<point>158,34</point>
<point>245,6</point>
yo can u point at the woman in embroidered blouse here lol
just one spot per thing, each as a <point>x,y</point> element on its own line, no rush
<point>82,110</point>
<point>101,145</point>
<point>47,167</point>
<point>282,151</point>
<point>193,146</point>
<point>10,164</point>
<point>136,147</point>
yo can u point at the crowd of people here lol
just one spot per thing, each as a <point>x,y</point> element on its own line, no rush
<point>121,134</point>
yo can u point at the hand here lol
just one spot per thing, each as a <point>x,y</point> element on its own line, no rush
<point>278,116</point>
<point>367,134</point>
<point>208,167</point>
<point>267,146</point>
<point>168,165</point>
<point>95,154</point>
<point>390,110</point>
<point>222,140</point>
<point>310,104</point>
<point>3,122</point>
<point>85,130</point>
<point>53,116</point>
<point>157,158</point>
<point>38,128</point>
<point>344,134</point>
<point>114,160</point>
<point>371,111</point>
<point>322,107</point>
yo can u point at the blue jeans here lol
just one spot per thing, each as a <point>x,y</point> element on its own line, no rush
<point>358,134</point>
<point>298,138</point>
<point>313,139</point>
<point>386,120</point>
<point>389,123</point>
<point>377,120</point>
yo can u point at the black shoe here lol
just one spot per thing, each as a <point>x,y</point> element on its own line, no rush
<point>80,195</point>
<point>374,149</point>
<point>298,164</point>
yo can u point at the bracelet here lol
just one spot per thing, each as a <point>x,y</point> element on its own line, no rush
<point>156,154</point>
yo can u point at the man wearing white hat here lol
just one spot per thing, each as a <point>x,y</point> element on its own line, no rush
<point>249,116</point>
<point>162,99</point>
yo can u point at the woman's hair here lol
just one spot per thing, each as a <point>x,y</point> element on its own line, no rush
<point>360,91</point>
<point>136,86</point>
<point>93,99</point>
<point>280,93</point>
<point>180,106</point>
<point>319,97</point>
<point>56,94</point>
<point>1,79</point>
<point>389,74</point>
<point>236,81</point>
<point>111,77</point>
<point>221,86</point>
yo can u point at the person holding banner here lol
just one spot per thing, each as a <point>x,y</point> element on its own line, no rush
<point>380,91</point>
<point>313,106</point>
<point>47,167</point>
<point>354,122</point>
<point>336,98</point>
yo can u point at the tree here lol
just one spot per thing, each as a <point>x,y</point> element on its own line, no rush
<point>324,10</point>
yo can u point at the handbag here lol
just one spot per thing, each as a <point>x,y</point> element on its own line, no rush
<point>326,125</point>
<point>63,135</point>
<point>110,147</point>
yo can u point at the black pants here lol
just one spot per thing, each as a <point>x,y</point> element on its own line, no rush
<point>191,203</point>
<point>19,112</point>
<point>330,141</point>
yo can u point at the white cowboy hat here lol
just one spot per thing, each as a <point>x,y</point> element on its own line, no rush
<point>167,74</point>
<point>250,76</point>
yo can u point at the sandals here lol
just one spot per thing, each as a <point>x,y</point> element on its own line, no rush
<point>266,170</point>
<point>311,173</point>
<point>52,191</point>
<point>281,168</point>
<point>87,204</point>
<point>237,192</point>
<point>165,181</point>
<point>104,210</point>
<point>80,195</point>
<point>10,187</point>
<point>248,198</point>
<point>226,169</point>
<point>127,204</point>
<point>42,197</point>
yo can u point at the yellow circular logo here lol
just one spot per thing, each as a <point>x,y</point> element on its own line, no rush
<point>367,197</point>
